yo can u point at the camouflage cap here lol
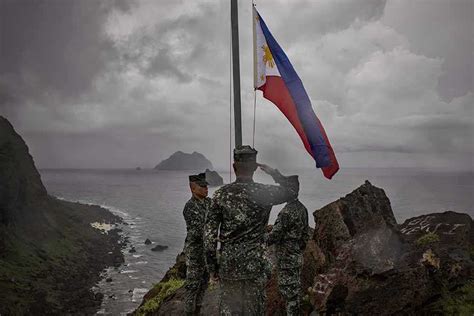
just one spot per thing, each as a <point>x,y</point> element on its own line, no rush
<point>199,179</point>
<point>245,153</point>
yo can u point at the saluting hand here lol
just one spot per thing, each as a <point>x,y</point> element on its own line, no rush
<point>267,169</point>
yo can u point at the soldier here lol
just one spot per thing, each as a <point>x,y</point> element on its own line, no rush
<point>194,213</point>
<point>290,234</point>
<point>239,214</point>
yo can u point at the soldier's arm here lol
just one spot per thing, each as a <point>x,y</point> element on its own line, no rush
<point>276,194</point>
<point>191,217</point>
<point>211,229</point>
<point>278,230</point>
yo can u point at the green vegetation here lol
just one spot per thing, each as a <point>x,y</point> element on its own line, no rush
<point>161,291</point>
<point>458,302</point>
<point>427,239</point>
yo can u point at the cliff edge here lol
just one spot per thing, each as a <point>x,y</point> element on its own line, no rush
<point>50,255</point>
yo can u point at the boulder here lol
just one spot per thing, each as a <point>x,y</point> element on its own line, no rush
<point>159,248</point>
<point>450,227</point>
<point>369,265</point>
<point>213,178</point>
<point>147,242</point>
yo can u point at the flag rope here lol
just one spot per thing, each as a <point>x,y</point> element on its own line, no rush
<point>230,101</point>
<point>254,115</point>
<point>254,4</point>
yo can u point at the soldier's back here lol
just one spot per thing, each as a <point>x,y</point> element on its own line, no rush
<point>244,211</point>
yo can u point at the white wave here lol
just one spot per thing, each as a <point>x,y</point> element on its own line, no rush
<point>138,294</point>
<point>139,263</point>
<point>128,271</point>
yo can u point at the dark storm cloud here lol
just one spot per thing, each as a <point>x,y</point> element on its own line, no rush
<point>53,47</point>
<point>114,84</point>
<point>164,65</point>
<point>440,29</point>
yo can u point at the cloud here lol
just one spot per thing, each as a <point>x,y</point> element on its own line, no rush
<point>136,81</point>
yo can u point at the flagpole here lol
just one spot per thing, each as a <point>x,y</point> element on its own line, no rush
<point>236,72</point>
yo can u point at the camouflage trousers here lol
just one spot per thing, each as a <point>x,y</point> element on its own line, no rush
<point>290,288</point>
<point>196,283</point>
<point>242,297</point>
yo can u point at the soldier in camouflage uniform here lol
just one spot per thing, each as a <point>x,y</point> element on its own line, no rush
<point>290,234</point>
<point>194,213</point>
<point>239,214</point>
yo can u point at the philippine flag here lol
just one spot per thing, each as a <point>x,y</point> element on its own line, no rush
<point>277,79</point>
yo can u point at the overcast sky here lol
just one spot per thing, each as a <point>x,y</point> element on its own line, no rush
<point>127,83</point>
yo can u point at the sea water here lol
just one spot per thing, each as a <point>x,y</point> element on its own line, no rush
<point>151,203</point>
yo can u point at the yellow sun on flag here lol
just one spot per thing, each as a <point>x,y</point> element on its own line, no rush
<point>267,56</point>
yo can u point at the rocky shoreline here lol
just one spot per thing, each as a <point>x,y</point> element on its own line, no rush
<point>57,275</point>
<point>50,255</point>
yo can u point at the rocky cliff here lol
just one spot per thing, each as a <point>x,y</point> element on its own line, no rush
<point>184,161</point>
<point>359,261</point>
<point>50,256</point>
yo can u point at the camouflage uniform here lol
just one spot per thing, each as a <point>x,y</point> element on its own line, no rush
<point>241,211</point>
<point>290,234</point>
<point>196,274</point>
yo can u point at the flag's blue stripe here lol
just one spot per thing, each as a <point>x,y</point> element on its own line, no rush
<point>307,117</point>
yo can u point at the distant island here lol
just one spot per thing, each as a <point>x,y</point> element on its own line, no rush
<point>184,161</point>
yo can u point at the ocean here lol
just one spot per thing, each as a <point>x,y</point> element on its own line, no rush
<point>152,201</point>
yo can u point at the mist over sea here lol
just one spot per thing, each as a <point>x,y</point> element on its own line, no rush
<point>151,202</point>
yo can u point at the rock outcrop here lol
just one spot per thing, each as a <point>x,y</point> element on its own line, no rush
<point>50,255</point>
<point>359,261</point>
<point>20,182</point>
<point>213,178</point>
<point>373,266</point>
<point>184,161</point>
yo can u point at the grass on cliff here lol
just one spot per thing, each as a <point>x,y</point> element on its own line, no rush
<point>427,239</point>
<point>161,291</point>
<point>459,302</point>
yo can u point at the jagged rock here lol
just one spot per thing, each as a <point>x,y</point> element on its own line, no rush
<point>213,178</point>
<point>361,223</point>
<point>147,242</point>
<point>132,250</point>
<point>159,248</point>
<point>184,161</point>
<point>108,280</point>
<point>452,228</point>
<point>369,265</point>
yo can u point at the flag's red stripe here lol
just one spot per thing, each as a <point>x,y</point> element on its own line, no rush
<point>275,91</point>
